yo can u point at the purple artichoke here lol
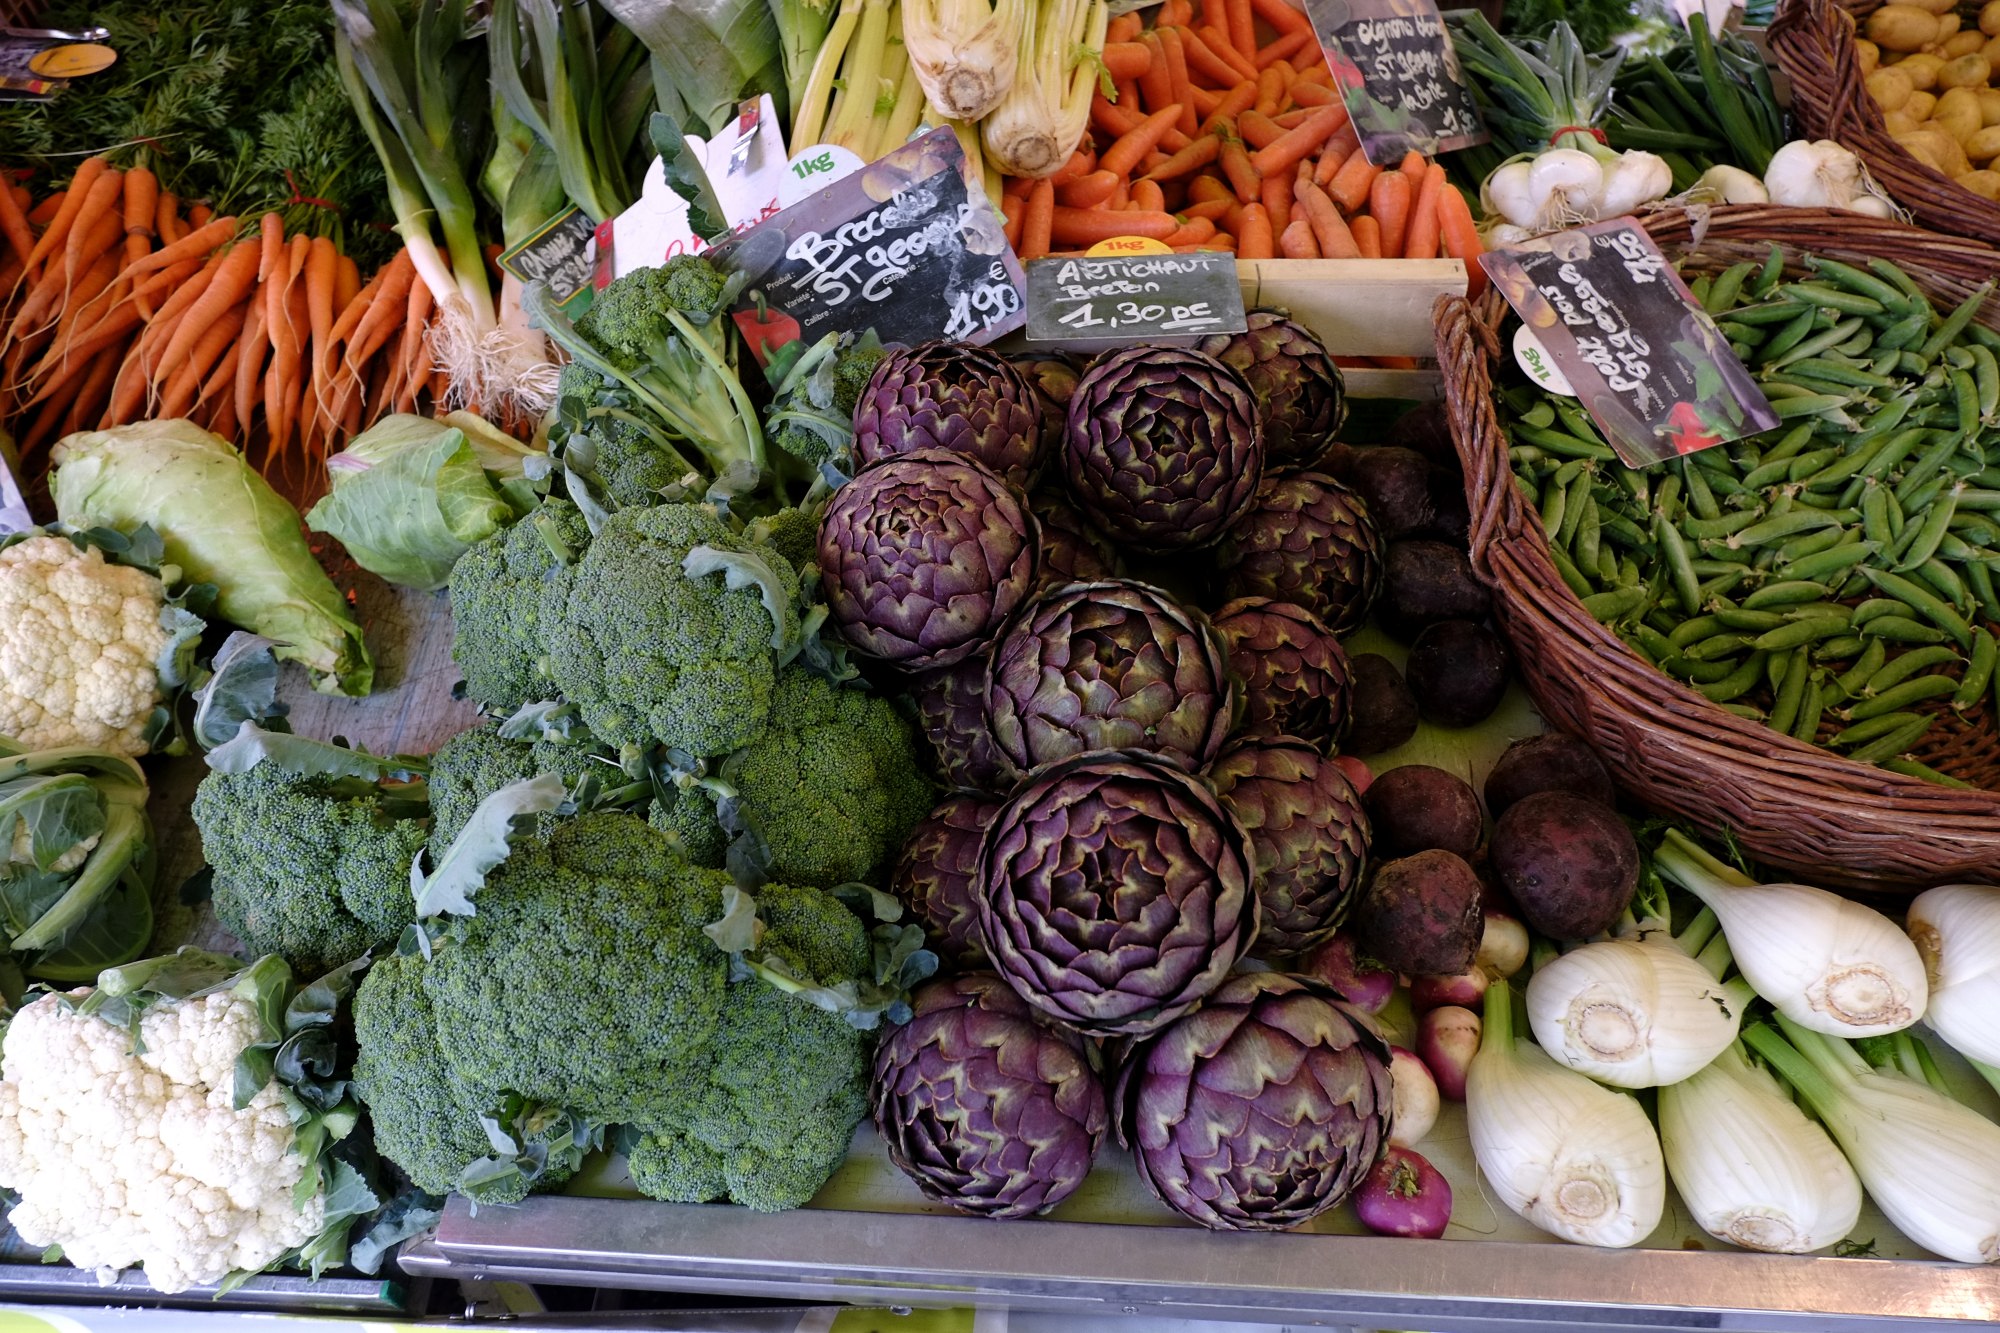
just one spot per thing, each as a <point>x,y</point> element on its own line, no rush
<point>952,396</point>
<point>1055,381</point>
<point>1260,1112</point>
<point>951,710</point>
<point>1309,541</point>
<point>934,874</point>
<point>1072,550</point>
<point>985,1108</point>
<point>1114,665</point>
<point>1308,830</point>
<point>1294,673</point>
<point>1114,892</point>
<point>924,557</point>
<point>1296,384</point>
<point>1163,450</point>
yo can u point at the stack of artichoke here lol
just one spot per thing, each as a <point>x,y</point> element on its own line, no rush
<point>1146,797</point>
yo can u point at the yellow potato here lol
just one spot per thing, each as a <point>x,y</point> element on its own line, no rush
<point>1899,122</point>
<point>1947,25</point>
<point>1960,119</point>
<point>1989,104</point>
<point>1965,72</point>
<point>1992,51</point>
<point>1985,184</point>
<point>1936,149</point>
<point>1870,55</point>
<point>1989,18</point>
<point>1984,146</point>
<point>1921,105</point>
<point>1902,28</point>
<point>1922,68</point>
<point>1890,88</point>
<point>1962,44</point>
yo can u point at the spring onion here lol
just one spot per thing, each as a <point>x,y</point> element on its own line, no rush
<point>1751,1167</point>
<point>1824,962</point>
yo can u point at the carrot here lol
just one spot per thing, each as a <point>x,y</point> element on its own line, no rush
<point>1270,91</point>
<point>14,225</point>
<point>1284,48</point>
<point>1296,143</point>
<point>347,283</point>
<point>122,318</point>
<point>1147,196</point>
<point>1088,226</point>
<point>1121,157</point>
<point>1254,239</point>
<point>1090,191</point>
<point>1258,128</point>
<point>1210,208</point>
<point>285,346</point>
<point>1081,163</point>
<point>1282,17</point>
<point>410,356</point>
<point>1327,167</point>
<point>1368,237</point>
<point>142,202</point>
<point>1297,241</point>
<point>1237,65</point>
<point>1037,223</point>
<point>1243,177</point>
<point>1121,196</point>
<point>1335,240</point>
<point>1205,101</point>
<point>322,290</point>
<point>1389,201</point>
<point>99,214</point>
<point>92,392</point>
<point>207,348</point>
<point>1127,60</point>
<point>1222,240</point>
<point>65,218</point>
<point>254,347</point>
<point>1421,240</point>
<point>1204,188</point>
<point>1191,158</point>
<point>1351,184</point>
<point>1017,186</point>
<point>1461,237</point>
<point>167,218</point>
<point>196,243</point>
<point>298,313</point>
<point>42,214</point>
<point>1125,28</point>
<point>1311,94</point>
<point>1416,166</point>
<point>1343,142</point>
<point>1193,232</point>
<point>1011,207</point>
<point>1177,74</point>
<point>1242,26</point>
<point>200,215</point>
<point>233,282</point>
<point>1174,13</point>
<point>1156,85</point>
<point>1233,104</point>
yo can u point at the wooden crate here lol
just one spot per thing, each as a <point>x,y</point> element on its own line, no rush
<point>1362,307</point>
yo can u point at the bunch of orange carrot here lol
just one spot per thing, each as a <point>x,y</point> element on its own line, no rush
<point>115,306</point>
<point>1214,141</point>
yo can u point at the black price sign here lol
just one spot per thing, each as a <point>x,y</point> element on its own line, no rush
<point>1396,70</point>
<point>560,254</point>
<point>901,246</point>
<point>1646,361</point>
<point>1088,302</point>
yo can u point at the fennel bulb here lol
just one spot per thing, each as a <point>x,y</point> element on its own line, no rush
<point>965,52</point>
<point>1040,121</point>
<point>1956,928</point>
<point>1931,1164</point>
<point>1636,1012</point>
<point>1752,1168</point>
<point>1577,1160</point>
<point>1824,962</point>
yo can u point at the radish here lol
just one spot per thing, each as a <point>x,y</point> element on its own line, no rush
<point>1415,1096</point>
<point>1404,1195</point>
<point>1362,982</point>
<point>1503,945</point>
<point>1447,1039</point>
<point>1465,989</point>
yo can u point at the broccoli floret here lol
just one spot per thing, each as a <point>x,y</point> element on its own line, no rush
<point>647,653</point>
<point>812,412</point>
<point>474,764</point>
<point>503,591</point>
<point>787,1082</point>
<point>792,533</point>
<point>834,786</point>
<point>688,817</point>
<point>315,869</point>
<point>585,981</point>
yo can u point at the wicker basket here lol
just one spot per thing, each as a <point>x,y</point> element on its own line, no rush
<point>1805,810</point>
<point>1813,41</point>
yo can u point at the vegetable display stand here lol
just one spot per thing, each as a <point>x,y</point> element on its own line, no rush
<point>1827,818</point>
<point>1362,307</point>
<point>1813,41</point>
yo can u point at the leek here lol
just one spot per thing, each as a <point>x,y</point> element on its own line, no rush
<point>709,56</point>
<point>965,52</point>
<point>1037,125</point>
<point>1931,1164</point>
<point>561,80</point>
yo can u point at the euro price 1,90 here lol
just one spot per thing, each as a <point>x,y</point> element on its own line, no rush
<point>1166,318</point>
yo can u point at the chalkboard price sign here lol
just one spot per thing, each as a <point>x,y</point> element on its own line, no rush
<point>1645,360</point>
<point>901,246</point>
<point>1397,72</point>
<point>1089,302</point>
<point>560,254</point>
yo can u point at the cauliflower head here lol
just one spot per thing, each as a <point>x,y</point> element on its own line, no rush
<point>124,1158</point>
<point>81,647</point>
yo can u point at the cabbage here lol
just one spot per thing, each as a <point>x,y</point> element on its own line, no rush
<point>222,524</point>
<point>412,494</point>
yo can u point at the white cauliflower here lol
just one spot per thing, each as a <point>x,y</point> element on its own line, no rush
<point>80,643</point>
<point>126,1159</point>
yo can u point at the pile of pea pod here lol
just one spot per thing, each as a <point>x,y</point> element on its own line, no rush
<point>1833,578</point>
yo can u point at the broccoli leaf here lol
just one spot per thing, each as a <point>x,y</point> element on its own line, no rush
<point>738,930</point>
<point>252,745</point>
<point>545,720</point>
<point>778,586</point>
<point>686,177</point>
<point>243,687</point>
<point>485,842</point>
<point>175,661</point>
<point>408,1214</point>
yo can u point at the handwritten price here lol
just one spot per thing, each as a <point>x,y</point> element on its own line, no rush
<point>1165,318</point>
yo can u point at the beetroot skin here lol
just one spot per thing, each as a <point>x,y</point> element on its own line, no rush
<point>1421,914</point>
<point>1416,807</point>
<point>1569,863</point>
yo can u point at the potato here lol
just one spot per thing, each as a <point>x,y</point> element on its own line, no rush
<point>1921,105</point>
<point>1932,6</point>
<point>1947,26</point>
<point>1962,44</point>
<point>1965,72</point>
<point>1989,18</point>
<point>1989,104</point>
<point>1902,28</point>
<point>1992,51</point>
<point>1959,115</point>
<point>1984,146</point>
<point>1899,122</point>
<point>1985,184</point>
<point>1922,68</point>
<point>1891,88</point>
<point>1935,148</point>
<point>1870,55</point>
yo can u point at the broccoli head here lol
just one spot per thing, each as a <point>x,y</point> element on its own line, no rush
<point>584,981</point>
<point>648,653</point>
<point>688,817</point>
<point>834,785</point>
<point>502,592</point>
<point>315,869</point>
<point>775,1110</point>
<point>792,533</point>
<point>812,413</point>
<point>474,764</point>
<point>627,320</point>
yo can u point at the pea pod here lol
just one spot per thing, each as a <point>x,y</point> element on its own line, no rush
<point>1906,666</point>
<point>1980,580</point>
<point>1873,728</point>
<point>1855,677</point>
<point>1954,324</point>
<point>1769,276</point>
<point>1748,621</point>
<point>1789,524</point>
<point>1840,649</point>
<point>1784,594</point>
<point>1737,683</point>
<point>1805,726</point>
<point>1812,543</point>
<point>1978,672</point>
<point>1924,537</point>
<point>1854,280</point>
<point>1722,293</point>
<point>1825,564</point>
<point>1571,576</point>
<point>1725,525</point>
<point>1800,632</point>
<point>1910,768</point>
<point>1791,335</point>
<point>1717,646</point>
<point>1893,744</point>
<point>1791,693</point>
<point>1986,376</point>
<point>1902,629</point>
<point>1609,606</point>
<point>1899,697</point>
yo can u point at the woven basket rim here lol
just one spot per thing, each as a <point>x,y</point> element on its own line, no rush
<point>1911,832</point>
